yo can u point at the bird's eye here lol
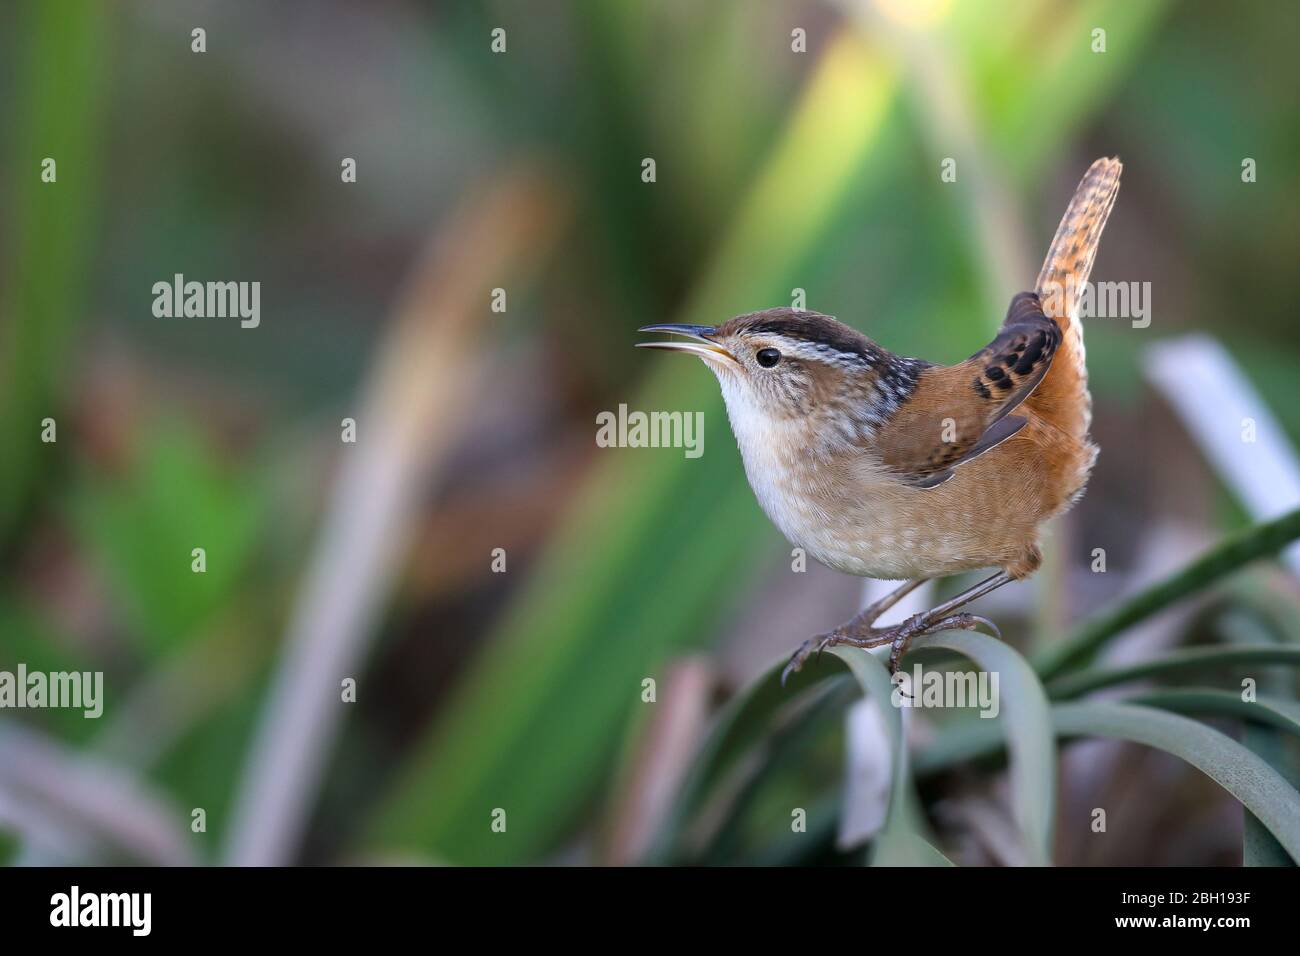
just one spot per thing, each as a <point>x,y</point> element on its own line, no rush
<point>768,357</point>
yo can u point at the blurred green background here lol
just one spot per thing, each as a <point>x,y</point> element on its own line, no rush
<point>480,689</point>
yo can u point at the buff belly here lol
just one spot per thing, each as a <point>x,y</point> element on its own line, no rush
<point>894,531</point>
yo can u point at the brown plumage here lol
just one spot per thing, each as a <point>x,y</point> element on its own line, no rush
<point>892,467</point>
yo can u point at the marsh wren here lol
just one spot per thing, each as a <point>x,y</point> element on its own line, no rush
<point>896,468</point>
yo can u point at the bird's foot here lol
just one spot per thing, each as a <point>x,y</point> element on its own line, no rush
<point>859,633</point>
<point>900,636</point>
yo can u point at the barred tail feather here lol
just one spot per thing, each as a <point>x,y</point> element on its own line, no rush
<point>1062,397</point>
<point>1070,257</point>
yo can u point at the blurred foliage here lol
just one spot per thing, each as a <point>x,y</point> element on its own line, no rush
<point>62,70</point>
<point>776,171</point>
<point>141,524</point>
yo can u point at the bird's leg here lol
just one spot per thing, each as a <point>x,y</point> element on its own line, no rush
<point>854,631</point>
<point>942,618</point>
<point>859,633</point>
<point>863,620</point>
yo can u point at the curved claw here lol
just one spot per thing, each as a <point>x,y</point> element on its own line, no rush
<point>796,661</point>
<point>963,622</point>
<point>814,645</point>
<point>980,619</point>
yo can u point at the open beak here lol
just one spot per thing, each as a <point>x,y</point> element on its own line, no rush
<point>702,345</point>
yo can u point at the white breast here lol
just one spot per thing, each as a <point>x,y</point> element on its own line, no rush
<point>848,522</point>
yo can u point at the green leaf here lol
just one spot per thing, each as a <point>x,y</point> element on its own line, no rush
<point>1273,711</point>
<point>1234,553</point>
<point>1258,846</point>
<point>142,525</point>
<point>1259,788</point>
<point>28,634</point>
<point>1267,716</point>
<point>899,845</point>
<point>975,739</point>
<point>796,765</point>
<point>751,718</point>
<point>1063,51</point>
<point>60,83</point>
<point>1260,615</point>
<point>745,721</point>
<point>1184,659</point>
<point>959,742</point>
<point>1026,721</point>
<point>9,846</point>
<point>901,841</point>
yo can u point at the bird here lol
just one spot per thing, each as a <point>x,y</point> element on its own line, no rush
<point>897,468</point>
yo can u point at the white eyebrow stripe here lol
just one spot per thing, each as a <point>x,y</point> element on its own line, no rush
<point>817,352</point>
<point>893,379</point>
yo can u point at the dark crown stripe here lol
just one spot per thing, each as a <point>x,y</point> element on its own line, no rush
<point>812,327</point>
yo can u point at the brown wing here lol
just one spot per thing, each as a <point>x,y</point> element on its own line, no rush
<point>958,412</point>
